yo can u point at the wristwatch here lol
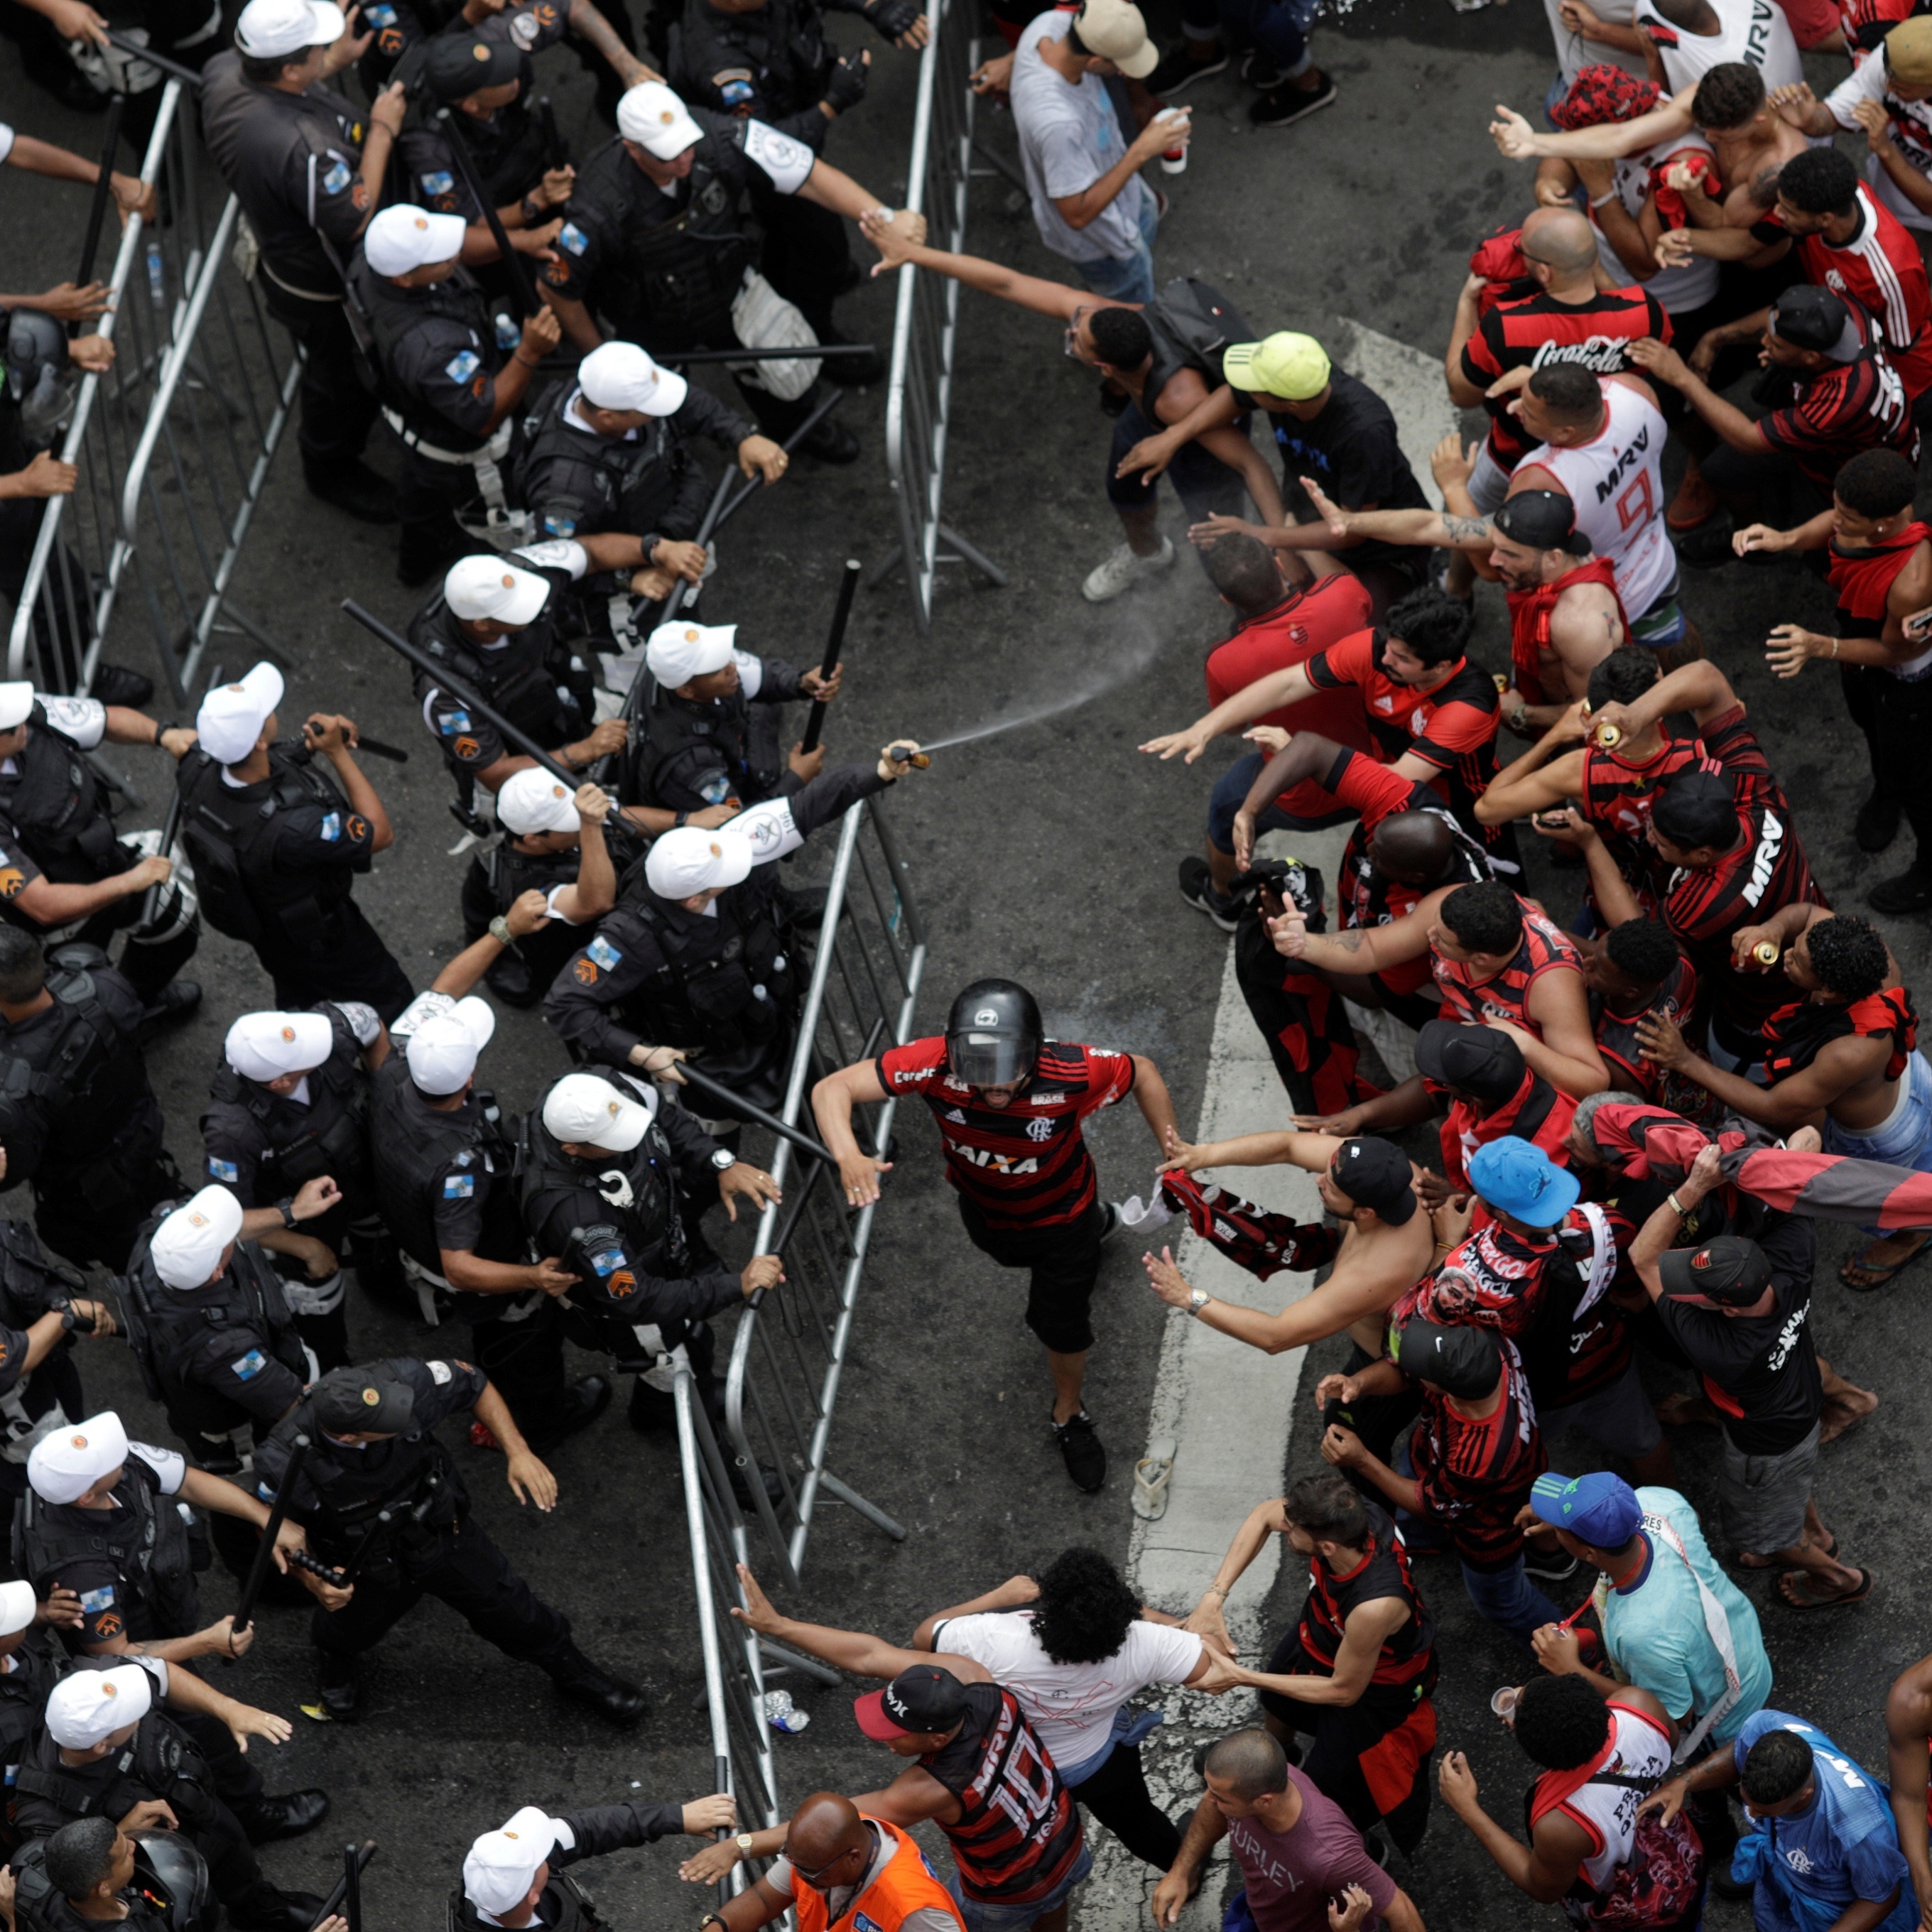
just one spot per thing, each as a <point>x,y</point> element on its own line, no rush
<point>722,1158</point>
<point>286,1207</point>
<point>743,1842</point>
<point>499,930</point>
<point>1198,1298</point>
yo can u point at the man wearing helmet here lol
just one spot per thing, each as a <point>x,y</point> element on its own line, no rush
<point>1009,1103</point>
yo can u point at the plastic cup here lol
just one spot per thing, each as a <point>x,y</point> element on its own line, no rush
<point>1503,1702</point>
<point>1174,160</point>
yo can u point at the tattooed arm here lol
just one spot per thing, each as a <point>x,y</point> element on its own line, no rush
<point>1421,529</point>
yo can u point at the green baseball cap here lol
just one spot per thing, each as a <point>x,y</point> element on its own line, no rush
<point>1292,366</point>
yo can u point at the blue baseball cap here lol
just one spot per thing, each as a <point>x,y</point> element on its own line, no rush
<point>1521,1180</point>
<point>1600,1510</point>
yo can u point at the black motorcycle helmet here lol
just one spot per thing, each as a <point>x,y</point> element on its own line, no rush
<point>170,1870</point>
<point>36,360</point>
<point>994,1034</point>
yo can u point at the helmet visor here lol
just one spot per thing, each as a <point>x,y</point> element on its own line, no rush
<point>990,1059</point>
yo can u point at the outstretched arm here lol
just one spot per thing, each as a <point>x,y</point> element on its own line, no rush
<point>855,1651</point>
<point>1609,142</point>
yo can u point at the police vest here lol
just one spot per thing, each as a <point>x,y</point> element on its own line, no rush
<point>394,315</point>
<point>663,271</point>
<point>165,1326</point>
<point>244,891</point>
<point>626,483</point>
<point>674,727</point>
<point>562,1908</point>
<point>54,802</point>
<point>333,1139</point>
<point>153,1904</point>
<point>81,1075</point>
<point>417,1144</point>
<point>146,1542</point>
<point>508,874</point>
<point>533,679</point>
<point>157,1762</point>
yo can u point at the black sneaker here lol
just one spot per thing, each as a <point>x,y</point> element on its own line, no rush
<point>175,1002</point>
<point>851,372</point>
<point>338,1688</point>
<point>1556,1566</point>
<point>1910,892</point>
<point>115,684</point>
<point>831,442</point>
<point>1080,1449</point>
<point>1180,70</point>
<point>1281,106</point>
<point>1197,888</point>
<point>1708,546</point>
<point>1110,1226</point>
<point>356,489</point>
<point>1258,71</point>
<point>1876,825</point>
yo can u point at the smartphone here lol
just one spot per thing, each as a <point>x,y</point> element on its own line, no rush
<point>1918,624</point>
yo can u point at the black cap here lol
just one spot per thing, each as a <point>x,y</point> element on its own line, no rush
<point>1478,1060</point>
<point>458,65</point>
<point>1810,317</point>
<point>925,1698</point>
<point>1460,1361</point>
<point>1730,1271</point>
<point>1697,808</point>
<point>350,1402</point>
<point>1543,519</point>
<point>1374,1173</point>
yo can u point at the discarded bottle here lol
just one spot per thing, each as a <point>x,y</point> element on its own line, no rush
<point>783,1715</point>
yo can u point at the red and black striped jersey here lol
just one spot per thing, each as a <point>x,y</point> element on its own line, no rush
<point>1365,896</point>
<point>1473,1475</point>
<point>1535,1112</point>
<point>1616,797</point>
<point>1505,995</point>
<point>1629,1072</point>
<point>1018,1835</point>
<point>1025,1165</point>
<point>1839,412</point>
<point>1795,1035</point>
<point>1408,1652</point>
<point>1540,330</point>
<point>1452,727</point>
<point>1879,267</point>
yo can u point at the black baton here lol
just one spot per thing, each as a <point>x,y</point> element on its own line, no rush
<point>834,643</point>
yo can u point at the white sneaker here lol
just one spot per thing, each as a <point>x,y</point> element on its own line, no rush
<point>1123,570</point>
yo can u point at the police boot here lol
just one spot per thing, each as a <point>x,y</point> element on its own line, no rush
<point>267,1908</point>
<point>287,1817</point>
<point>580,1680</point>
<point>338,1681</point>
<point>583,1401</point>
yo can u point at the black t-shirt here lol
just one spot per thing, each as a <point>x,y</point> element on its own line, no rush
<point>1760,1372</point>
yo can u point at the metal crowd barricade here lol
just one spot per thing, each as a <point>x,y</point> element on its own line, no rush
<point>172,443</point>
<point>782,1385</point>
<point>919,393</point>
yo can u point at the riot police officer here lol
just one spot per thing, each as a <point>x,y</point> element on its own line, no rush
<point>77,1116</point>
<point>63,873</point>
<point>30,1665</point>
<point>40,1386</point>
<point>612,453</point>
<point>383,1504</point>
<point>613,1179</point>
<point>450,372</point>
<point>553,842</point>
<point>515,1876</point>
<point>445,1186</point>
<point>657,245</point>
<point>107,1751</point>
<point>307,171</point>
<point>276,847</point>
<point>705,753</point>
<point>289,1107</point>
<point>92,1871</point>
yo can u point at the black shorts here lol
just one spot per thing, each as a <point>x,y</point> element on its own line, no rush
<point>1063,1260</point>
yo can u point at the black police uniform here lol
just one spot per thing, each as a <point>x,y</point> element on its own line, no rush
<point>264,1148</point>
<point>274,863</point>
<point>662,265</point>
<point>26,1678</point>
<point>77,1116</point>
<point>292,159</point>
<point>626,1226</point>
<point>395,1516</point>
<point>498,875</point>
<point>647,483</point>
<point>186,1770</point>
<point>31,1400</point>
<point>561,1906</point>
<point>170,1892</point>
<point>55,823</point>
<point>694,753</point>
<point>445,1181</point>
<point>540,679</point>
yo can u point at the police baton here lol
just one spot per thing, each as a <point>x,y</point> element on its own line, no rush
<point>142,51</point>
<point>555,155</point>
<point>743,1110</point>
<point>258,1570</point>
<point>171,826</point>
<point>834,644</point>
<point>104,191</point>
<point>514,264</point>
<point>356,1861</point>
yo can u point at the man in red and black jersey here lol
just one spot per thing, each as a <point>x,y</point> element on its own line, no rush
<point>1467,1469</point>
<point>1846,1049</point>
<point>1356,1673</point>
<point>1009,1103</point>
<point>1637,975</point>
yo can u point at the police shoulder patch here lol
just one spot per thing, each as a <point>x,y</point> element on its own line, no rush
<point>573,237</point>
<point>607,1260</point>
<point>337,178</point>
<point>462,365</point>
<point>439,181</point>
<point>92,1601</point>
<point>248,1367</point>
<point>223,1170</point>
<point>440,1372</point>
<point>458,1187</point>
<point>606,954</point>
<point>330,827</point>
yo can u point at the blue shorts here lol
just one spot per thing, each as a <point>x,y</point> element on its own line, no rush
<point>1231,787</point>
<point>1904,1140</point>
<point>981,1917</point>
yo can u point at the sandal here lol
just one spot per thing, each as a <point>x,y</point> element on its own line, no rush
<point>1795,1580</point>
<point>1152,1474</point>
<point>1830,1548</point>
<point>1883,1273</point>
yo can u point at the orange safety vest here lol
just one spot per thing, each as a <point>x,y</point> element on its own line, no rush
<point>905,1885</point>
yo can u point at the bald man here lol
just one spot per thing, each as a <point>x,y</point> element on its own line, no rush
<point>836,1860</point>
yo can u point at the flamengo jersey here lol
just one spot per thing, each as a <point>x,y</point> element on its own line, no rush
<point>1879,269</point>
<point>1616,482</point>
<point>1025,1165</point>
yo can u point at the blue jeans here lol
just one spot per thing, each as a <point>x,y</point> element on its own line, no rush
<point>980,1917</point>
<point>1131,278</point>
<point>1232,787</point>
<point>1507,1598</point>
<point>1903,1141</point>
<point>1278,28</point>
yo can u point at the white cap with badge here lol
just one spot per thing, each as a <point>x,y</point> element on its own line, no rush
<point>404,238</point>
<point>591,1110</point>
<point>678,651</point>
<point>531,801</point>
<point>16,703</point>
<point>502,1865</point>
<point>657,120</point>
<point>268,28</point>
<point>688,861</point>
<point>266,1046</point>
<point>621,376</point>
<point>89,1707</point>
<point>18,1607</point>
<point>443,1052</point>
<point>230,720</point>
<point>187,1247</point>
<point>67,1463</point>
<point>492,587</point>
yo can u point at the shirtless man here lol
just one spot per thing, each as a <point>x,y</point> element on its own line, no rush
<point>1836,1056</point>
<point>1908,1741</point>
<point>1494,956</point>
<point>1385,1247</point>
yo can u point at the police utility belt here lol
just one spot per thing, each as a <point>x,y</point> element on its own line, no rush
<point>483,461</point>
<point>437,1297</point>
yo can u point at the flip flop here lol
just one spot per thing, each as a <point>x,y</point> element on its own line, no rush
<point>1152,1474</point>
<point>1858,1596</point>
<point>1885,1273</point>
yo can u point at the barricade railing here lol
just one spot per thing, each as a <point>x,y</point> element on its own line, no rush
<point>782,1385</point>
<point>172,444</point>
<point>919,391</point>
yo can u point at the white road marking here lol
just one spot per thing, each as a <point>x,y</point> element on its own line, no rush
<point>1231,1407</point>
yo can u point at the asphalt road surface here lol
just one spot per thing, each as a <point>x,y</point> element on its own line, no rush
<point>1048,854</point>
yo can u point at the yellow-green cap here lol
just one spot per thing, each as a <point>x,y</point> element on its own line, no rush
<point>1908,52</point>
<point>1285,364</point>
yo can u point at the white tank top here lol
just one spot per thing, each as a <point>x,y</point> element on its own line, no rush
<point>1638,1749</point>
<point>1616,482</point>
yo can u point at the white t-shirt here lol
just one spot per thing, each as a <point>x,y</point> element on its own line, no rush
<point>1069,137</point>
<point>1071,1705</point>
<point>1679,290</point>
<point>1574,53</point>
<point>1755,31</point>
<point>1911,128</point>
